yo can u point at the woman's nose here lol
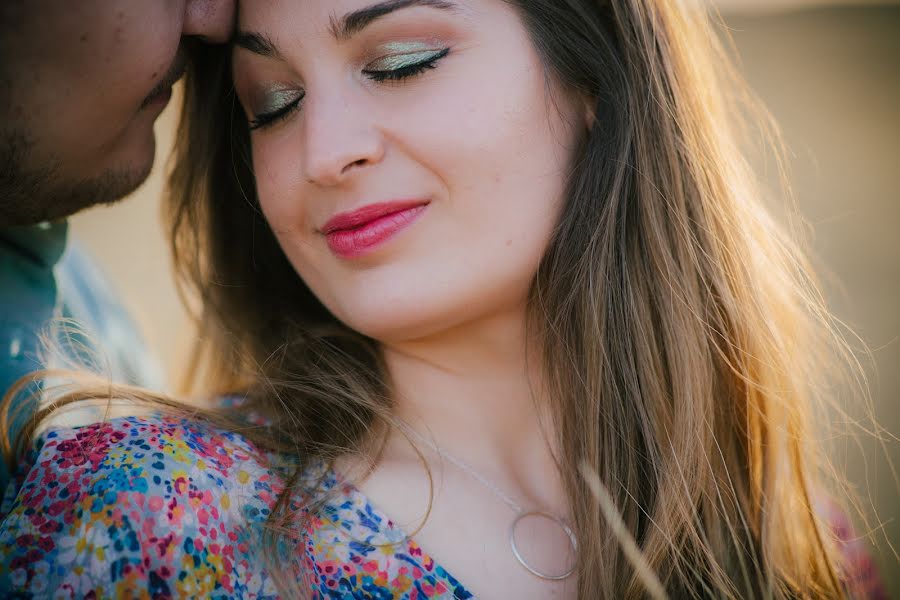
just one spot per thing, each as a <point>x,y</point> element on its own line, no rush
<point>340,139</point>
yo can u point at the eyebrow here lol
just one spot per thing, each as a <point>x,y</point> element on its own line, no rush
<point>343,28</point>
<point>257,43</point>
<point>356,21</point>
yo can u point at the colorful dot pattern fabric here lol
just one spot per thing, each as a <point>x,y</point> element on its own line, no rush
<point>163,507</point>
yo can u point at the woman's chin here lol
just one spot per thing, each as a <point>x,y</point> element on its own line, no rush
<point>398,325</point>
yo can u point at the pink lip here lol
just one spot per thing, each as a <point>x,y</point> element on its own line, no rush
<point>356,232</point>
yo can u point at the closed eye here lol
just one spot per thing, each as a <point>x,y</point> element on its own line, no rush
<point>405,65</point>
<point>390,68</point>
<point>284,103</point>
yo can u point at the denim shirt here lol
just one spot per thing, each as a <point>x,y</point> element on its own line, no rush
<point>43,280</point>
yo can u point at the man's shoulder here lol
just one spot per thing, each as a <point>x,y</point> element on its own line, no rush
<point>28,301</point>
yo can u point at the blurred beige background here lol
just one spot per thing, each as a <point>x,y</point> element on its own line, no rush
<point>830,74</point>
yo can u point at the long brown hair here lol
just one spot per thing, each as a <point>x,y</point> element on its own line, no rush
<point>683,335</point>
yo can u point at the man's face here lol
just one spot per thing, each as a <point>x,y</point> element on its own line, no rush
<point>81,84</point>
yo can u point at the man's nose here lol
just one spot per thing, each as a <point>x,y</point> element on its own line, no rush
<point>211,20</point>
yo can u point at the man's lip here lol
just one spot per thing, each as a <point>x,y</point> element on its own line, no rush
<point>160,98</point>
<point>174,73</point>
<point>366,214</point>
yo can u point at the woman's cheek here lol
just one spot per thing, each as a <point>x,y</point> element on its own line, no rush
<point>272,173</point>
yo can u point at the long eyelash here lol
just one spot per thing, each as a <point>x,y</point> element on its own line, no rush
<point>408,71</point>
<point>265,119</point>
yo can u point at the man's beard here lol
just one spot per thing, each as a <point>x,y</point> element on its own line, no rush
<point>30,195</point>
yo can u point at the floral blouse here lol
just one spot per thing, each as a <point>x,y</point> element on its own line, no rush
<point>162,507</point>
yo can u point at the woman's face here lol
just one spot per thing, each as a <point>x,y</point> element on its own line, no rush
<point>410,155</point>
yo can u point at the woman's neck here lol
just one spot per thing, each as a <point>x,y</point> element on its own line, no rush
<point>478,393</point>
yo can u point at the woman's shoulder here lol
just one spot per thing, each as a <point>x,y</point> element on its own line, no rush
<point>164,504</point>
<point>144,454</point>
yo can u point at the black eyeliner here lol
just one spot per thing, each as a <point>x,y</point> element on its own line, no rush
<point>409,70</point>
<point>264,119</point>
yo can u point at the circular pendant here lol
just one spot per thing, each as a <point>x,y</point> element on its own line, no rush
<point>568,531</point>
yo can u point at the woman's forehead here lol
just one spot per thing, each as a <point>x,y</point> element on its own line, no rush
<point>341,18</point>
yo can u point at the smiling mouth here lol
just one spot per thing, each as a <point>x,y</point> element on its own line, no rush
<point>358,232</point>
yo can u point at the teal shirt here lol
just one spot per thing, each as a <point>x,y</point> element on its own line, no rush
<point>43,279</point>
<point>28,300</point>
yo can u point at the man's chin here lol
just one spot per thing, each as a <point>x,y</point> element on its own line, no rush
<point>34,199</point>
<point>109,188</point>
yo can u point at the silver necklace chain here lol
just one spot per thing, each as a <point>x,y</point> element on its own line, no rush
<point>521,513</point>
<point>517,508</point>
